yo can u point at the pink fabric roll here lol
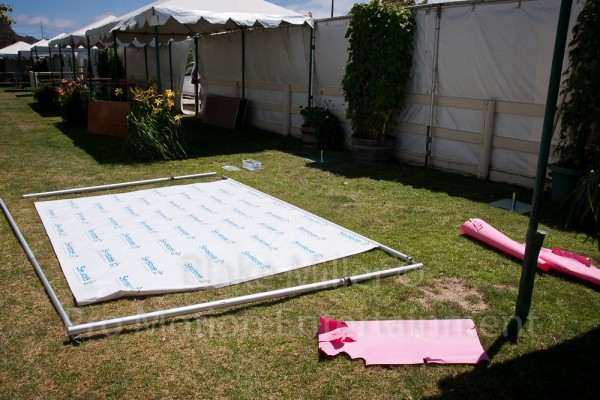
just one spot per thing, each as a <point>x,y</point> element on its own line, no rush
<point>556,259</point>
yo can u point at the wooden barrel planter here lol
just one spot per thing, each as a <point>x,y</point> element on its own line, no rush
<point>372,151</point>
<point>310,139</point>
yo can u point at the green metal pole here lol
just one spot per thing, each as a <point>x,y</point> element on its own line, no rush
<point>157,57</point>
<point>535,238</point>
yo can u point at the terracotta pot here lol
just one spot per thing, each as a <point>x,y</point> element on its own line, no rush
<point>372,151</point>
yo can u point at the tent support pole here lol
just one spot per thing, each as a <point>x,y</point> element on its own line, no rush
<point>535,238</point>
<point>252,298</point>
<point>38,270</point>
<point>73,57</point>
<point>117,185</point>
<point>125,64</point>
<point>171,64</point>
<point>62,75</point>
<point>146,62</point>
<point>90,68</point>
<point>195,77</point>
<point>311,65</point>
<point>51,65</point>
<point>157,58</point>
<point>243,63</point>
<point>429,136</point>
<point>115,60</point>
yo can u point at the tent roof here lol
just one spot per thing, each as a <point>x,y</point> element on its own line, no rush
<point>13,49</point>
<point>181,18</point>
<point>78,37</point>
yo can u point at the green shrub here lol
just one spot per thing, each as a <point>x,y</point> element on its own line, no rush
<point>73,100</point>
<point>153,132</point>
<point>380,35</point>
<point>45,94</point>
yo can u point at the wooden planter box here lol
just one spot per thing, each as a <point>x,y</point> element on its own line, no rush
<point>108,118</point>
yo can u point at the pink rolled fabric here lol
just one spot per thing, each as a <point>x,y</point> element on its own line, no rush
<point>556,259</point>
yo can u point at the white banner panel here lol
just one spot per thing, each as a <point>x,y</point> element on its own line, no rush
<point>186,237</point>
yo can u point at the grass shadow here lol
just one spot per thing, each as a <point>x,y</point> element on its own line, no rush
<point>452,184</point>
<point>45,110</point>
<point>565,371</point>
<point>203,140</point>
<point>200,140</point>
<point>104,149</point>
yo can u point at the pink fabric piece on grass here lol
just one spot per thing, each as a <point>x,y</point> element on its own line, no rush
<point>452,341</point>
<point>555,259</point>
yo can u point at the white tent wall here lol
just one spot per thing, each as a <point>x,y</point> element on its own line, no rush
<point>331,56</point>
<point>276,72</point>
<point>220,64</point>
<point>494,63</point>
<point>493,69</point>
<point>136,63</point>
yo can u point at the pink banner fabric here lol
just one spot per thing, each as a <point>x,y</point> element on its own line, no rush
<point>556,259</point>
<point>399,342</point>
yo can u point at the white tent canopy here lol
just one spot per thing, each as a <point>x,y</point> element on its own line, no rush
<point>78,37</point>
<point>12,51</point>
<point>167,21</point>
<point>182,18</point>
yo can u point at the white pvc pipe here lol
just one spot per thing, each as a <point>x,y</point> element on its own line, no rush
<point>117,185</point>
<point>53,298</point>
<point>213,305</point>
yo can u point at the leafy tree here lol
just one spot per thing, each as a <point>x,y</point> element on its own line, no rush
<point>5,10</point>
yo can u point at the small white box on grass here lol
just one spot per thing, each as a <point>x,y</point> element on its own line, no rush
<point>251,165</point>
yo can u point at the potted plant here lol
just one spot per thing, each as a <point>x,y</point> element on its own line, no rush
<point>74,99</point>
<point>380,36</point>
<point>577,149</point>
<point>320,128</point>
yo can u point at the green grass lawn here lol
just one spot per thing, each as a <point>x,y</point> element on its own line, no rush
<point>269,349</point>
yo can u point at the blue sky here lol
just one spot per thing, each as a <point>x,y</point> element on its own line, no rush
<point>65,16</point>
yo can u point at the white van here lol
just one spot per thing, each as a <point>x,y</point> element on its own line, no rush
<point>187,92</point>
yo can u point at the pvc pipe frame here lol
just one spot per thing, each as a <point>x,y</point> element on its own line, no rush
<point>73,331</point>
<point>117,185</point>
<point>234,301</point>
